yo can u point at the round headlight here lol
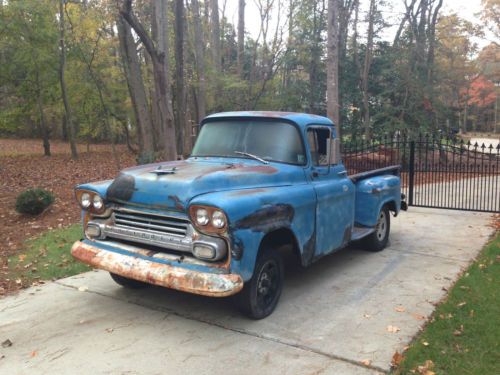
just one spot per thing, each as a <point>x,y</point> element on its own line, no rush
<point>97,202</point>
<point>85,200</point>
<point>218,219</point>
<point>202,216</point>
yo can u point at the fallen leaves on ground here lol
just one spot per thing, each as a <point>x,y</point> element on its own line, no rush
<point>399,309</point>
<point>397,357</point>
<point>426,368</point>
<point>23,166</point>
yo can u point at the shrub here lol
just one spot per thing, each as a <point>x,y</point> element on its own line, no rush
<point>34,201</point>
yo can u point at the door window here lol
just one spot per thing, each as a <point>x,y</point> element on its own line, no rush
<point>319,140</point>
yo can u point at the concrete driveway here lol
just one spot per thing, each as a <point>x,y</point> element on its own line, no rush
<point>331,316</point>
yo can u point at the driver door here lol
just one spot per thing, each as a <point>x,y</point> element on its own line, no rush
<point>334,193</point>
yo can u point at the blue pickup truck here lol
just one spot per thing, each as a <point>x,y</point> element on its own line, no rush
<point>217,223</point>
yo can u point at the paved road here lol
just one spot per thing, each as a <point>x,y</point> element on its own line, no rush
<point>331,317</point>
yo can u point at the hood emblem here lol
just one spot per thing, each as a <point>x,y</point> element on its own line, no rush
<point>160,171</point>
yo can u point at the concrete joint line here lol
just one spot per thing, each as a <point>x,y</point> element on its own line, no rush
<point>427,255</point>
<point>236,330</point>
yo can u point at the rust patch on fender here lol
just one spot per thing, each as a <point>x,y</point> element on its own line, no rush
<point>267,218</point>
<point>178,203</point>
<point>121,188</point>
<point>309,250</point>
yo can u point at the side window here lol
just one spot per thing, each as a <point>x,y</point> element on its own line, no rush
<point>318,139</point>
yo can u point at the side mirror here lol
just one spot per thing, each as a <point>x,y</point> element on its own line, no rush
<point>335,157</point>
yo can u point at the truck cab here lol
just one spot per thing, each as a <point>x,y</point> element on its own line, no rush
<point>216,224</point>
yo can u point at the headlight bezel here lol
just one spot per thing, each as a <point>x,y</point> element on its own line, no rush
<point>209,227</point>
<point>80,193</point>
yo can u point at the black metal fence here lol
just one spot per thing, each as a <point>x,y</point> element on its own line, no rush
<point>435,172</point>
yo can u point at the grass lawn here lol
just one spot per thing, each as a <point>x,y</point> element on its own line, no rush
<point>463,336</point>
<point>47,257</point>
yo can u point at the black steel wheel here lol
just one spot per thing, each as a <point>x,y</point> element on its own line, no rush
<point>377,241</point>
<point>128,283</point>
<point>261,293</point>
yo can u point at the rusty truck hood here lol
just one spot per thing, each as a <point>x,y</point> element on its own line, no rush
<point>171,185</point>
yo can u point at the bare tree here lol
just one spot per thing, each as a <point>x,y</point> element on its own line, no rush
<point>133,75</point>
<point>62,67</point>
<point>241,36</point>
<point>183,146</point>
<point>332,66</point>
<point>215,47</point>
<point>162,103</point>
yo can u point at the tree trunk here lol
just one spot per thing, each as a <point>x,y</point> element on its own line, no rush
<point>366,69</point>
<point>183,141</point>
<point>44,131</point>
<point>200,61</point>
<point>332,66</point>
<point>241,37</point>
<point>62,65</point>
<point>216,49</point>
<point>159,58</point>
<point>137,92</point>
<point>432,42</point>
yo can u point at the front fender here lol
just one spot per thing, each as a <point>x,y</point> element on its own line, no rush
<point>252,213</point>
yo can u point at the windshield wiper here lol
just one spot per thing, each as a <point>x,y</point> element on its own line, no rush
<point>252,156</point>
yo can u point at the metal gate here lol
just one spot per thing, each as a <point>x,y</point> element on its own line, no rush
<point>435,172</point>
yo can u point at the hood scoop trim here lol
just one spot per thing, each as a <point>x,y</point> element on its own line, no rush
<point>160,171</point>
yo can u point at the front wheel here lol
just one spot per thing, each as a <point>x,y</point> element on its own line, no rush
<point>261,293</point>
<point>128,283</point>
<point>377,241</point>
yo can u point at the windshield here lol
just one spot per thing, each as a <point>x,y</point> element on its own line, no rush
<point>268,140</point>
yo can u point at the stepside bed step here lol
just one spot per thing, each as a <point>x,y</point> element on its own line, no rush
<point>360,232</point>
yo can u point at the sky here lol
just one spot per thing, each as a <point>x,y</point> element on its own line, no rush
<point>394,9</point>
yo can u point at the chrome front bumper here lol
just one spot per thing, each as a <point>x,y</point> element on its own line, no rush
<point>166,275</point>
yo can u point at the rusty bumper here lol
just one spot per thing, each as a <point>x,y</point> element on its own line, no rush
<point>186,280</point>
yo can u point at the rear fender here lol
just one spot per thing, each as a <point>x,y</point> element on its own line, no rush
<point>372,194</point>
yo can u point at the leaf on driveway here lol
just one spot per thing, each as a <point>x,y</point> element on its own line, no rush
<point>6,343</point>
<point>418,316</point>
<point>393,329</point>
<point>400,309</point>
<point>33,353</point>
<point>366,362</point>
<point>83,288</point>
<point>367,316</point>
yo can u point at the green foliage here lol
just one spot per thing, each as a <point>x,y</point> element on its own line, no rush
<point>34,201</point>
<point>462,337</point>
<point>47,257</point>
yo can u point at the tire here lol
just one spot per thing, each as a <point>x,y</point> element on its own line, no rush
<point>261,293</point>
<point>128,283</point>
<point>377,241</point>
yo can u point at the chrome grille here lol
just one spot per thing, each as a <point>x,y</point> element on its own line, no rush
<point>151,223</point>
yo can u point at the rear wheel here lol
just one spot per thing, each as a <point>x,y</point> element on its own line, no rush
<point>377,241</point>
<point>128,283</point>
<point>261,293</point>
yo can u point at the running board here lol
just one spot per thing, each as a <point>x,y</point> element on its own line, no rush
<point>360,232</point>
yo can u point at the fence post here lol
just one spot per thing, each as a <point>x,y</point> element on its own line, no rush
<point>411,172</point>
